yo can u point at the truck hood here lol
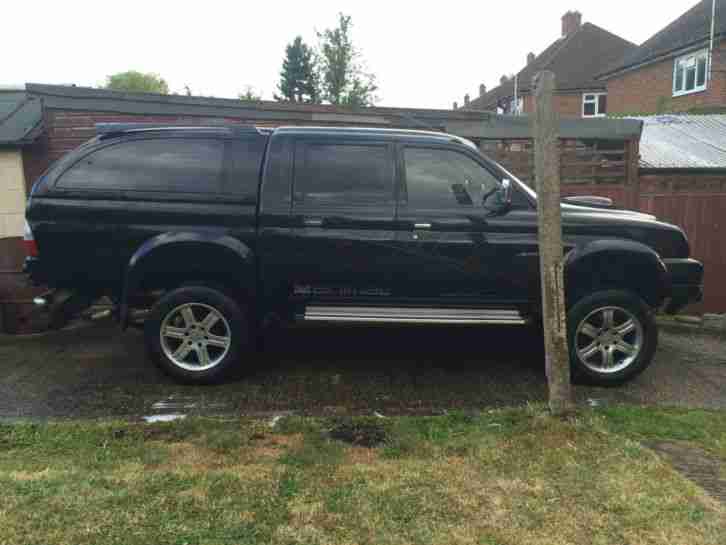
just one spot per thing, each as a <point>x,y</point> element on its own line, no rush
<point>668,240</point>
<point>611,212</point>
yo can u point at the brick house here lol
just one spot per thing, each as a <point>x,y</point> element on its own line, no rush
<point>20,117</point>
<point>671,71</point>
<point>20,127</point>
<point>577,57</point>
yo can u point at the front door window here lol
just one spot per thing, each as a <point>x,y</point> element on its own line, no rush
<point>441,178</point>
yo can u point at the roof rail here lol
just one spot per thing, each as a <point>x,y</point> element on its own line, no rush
<point>108,130</point>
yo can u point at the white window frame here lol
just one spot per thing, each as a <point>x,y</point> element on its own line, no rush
<point>596,101</point>
<point>695,56</point>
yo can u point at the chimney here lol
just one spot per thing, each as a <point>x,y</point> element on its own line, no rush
<point>466,99</point>
<point>456,105</point>
<point>530,58</point>
<point>502,80</point>
<point>482,90</point>
<point>571,22</point>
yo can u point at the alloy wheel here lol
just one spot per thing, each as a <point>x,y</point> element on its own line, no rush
<point>609,339</point>
<point>195,336</point>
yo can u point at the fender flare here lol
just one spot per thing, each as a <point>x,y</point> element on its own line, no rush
<point>136,266</point>
<point>576,261</point>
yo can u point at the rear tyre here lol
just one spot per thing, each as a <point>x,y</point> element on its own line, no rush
<point>196,334</point>
<point>612,337</point>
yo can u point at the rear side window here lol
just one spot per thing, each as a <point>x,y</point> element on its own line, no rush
<point>343,174</point>
<point>162,165</point>
<point>243,160</point>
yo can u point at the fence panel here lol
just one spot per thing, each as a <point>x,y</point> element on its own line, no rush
<point>697,203</point>
<point>581,162</point>
<point>694,202</point>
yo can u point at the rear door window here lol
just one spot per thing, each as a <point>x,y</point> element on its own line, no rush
<point>343,174</point>
<point>171,165</point>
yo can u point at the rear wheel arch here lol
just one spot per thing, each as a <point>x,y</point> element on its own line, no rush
<point>170,261</point>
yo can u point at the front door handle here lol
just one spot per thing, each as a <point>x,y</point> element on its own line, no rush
<point>313,222</point>
<point>417,227</point>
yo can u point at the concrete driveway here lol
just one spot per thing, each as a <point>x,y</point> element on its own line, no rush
<point>99,372</point>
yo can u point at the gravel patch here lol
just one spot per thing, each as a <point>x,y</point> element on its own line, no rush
<point>101,372</point>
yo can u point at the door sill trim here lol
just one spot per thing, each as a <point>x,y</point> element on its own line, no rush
<point>412,315</point>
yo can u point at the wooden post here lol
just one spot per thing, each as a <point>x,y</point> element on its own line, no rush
<point>633,176</point>
<point>547,176</point>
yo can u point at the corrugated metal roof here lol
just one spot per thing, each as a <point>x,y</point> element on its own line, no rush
<point>20,118</point>
<point>683,141</point>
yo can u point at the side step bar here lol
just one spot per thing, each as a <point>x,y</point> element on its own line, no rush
<point>413,315</point>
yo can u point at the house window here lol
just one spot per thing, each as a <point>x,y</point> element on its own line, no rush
<point>594,104</point>
<point>508,106</point>
<point>689,73</point>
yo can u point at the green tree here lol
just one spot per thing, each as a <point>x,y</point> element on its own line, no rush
<point>298,77</point>
<point>344,80</point>
<point>137,82</point>
<point>250,95</point>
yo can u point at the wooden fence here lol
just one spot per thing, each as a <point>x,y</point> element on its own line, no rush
<point>696,202</point>
<point>582,161</point>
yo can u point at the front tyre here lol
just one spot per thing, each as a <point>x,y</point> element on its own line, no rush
<point>196,334</point>
<point>612,337</point>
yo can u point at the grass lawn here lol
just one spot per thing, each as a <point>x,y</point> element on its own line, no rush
<point>500,477</point>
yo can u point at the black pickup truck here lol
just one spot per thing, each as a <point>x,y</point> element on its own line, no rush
<point>219,231</point>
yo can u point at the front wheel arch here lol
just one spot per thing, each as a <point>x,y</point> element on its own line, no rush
<point>616,265</point>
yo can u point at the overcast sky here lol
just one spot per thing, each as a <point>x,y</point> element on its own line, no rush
<point>425,54</point>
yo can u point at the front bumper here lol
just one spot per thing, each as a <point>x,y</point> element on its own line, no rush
<point>686,277</point>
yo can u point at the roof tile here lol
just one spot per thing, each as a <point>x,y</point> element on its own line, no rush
<point>576,61</point>
<point>692,27</point>
<point>20,115</point>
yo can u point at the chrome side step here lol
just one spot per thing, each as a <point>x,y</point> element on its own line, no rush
<point>412,315</point>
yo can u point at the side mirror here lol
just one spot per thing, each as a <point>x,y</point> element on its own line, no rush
<point>506,192</point>
<point>499,198</point>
